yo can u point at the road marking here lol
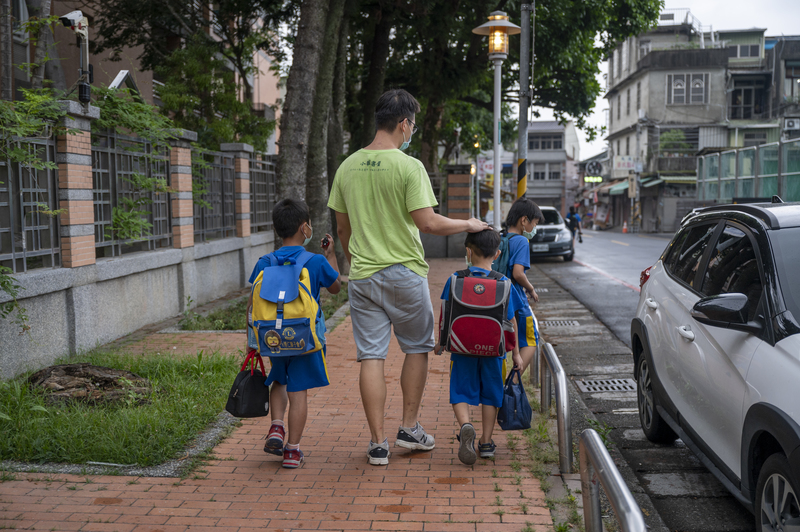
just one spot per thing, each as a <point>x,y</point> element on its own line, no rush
<point>620,243</point>
<point>601,272</point>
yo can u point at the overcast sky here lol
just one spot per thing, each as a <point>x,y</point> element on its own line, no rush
<point>780,17</point>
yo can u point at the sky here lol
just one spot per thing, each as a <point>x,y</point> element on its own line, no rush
<point>780,17</point>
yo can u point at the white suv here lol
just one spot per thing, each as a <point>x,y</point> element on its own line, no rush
<point>716,350</point>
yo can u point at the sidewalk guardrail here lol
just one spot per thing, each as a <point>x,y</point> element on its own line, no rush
<point>534,365</point>
<point>596,463</point>
<point>549,361</point>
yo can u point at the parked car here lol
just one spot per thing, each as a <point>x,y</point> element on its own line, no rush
<point>716,351</point>
<point>552,238</point>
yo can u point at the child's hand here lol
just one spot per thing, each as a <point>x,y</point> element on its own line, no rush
<point>532,294</point>
<point>517,359</point>
<point>438,349</point>
<point>327,245</point>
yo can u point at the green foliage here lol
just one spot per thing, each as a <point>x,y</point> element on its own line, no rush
<point>187,394</point>
<point>201,94</point>
<point>603,429</point>
<point>674,140</point>
<point>36,115</point>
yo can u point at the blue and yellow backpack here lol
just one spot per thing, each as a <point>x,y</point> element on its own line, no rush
<point>286,318</point>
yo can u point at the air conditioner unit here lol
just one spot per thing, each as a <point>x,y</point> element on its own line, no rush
<point>791,123</point>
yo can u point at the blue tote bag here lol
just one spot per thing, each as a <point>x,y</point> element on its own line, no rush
<point>516,412</point>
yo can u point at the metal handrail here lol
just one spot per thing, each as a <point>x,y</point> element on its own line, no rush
<point>534,364</point>
<point>596,463</point>
<point>549,361</point>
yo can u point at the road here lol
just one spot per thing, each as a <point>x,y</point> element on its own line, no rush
<point>604,277</point>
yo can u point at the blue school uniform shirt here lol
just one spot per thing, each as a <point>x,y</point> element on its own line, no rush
<point>320,272</point>
<point>515,302</point>
<point>518,254</point>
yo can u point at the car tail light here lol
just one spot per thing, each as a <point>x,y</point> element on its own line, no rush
<point>644,276</point>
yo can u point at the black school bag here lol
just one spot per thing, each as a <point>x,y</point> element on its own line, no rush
<point>249,396</point>
<point>473,319</point>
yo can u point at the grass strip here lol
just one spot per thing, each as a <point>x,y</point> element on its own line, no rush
<point>187,394</point>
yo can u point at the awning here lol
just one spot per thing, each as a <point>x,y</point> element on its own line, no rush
<point>652,183</point>
<point>618,189</point>
<point>680,179</point>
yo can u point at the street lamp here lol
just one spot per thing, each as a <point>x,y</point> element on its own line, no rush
<point>498,29</point>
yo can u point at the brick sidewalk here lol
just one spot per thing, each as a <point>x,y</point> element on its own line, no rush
<point>335,490</point>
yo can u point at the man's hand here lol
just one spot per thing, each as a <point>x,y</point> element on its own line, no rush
<point>438,349</point>
<point>476,226</point>
<point>532,294</point>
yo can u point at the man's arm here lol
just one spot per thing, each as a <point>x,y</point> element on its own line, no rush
<point>431,223</point>
<point>330,254</point>
<point>344,230</point>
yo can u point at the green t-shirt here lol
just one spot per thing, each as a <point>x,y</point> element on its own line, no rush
<point>378,189</point>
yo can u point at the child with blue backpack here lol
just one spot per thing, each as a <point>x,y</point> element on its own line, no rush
<point>478,380</point>
<point>291,377</point>
<point>522,219</point>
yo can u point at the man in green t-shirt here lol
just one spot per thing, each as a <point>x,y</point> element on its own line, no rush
<point>383,199</point>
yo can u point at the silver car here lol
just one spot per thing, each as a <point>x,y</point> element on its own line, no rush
<point>552,238</point>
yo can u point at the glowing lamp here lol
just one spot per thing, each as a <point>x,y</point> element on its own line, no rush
<point>498,29</point>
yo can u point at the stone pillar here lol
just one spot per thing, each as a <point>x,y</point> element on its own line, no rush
<point>241,153</point>
<point>74,159</point>
<point>458,191</point>
<point>180,180</point>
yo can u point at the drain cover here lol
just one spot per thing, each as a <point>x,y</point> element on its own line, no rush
<point>559,323</point>
<point>606,385</point>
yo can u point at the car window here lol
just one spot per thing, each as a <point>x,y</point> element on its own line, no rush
<point>551,217</point>
<point>733,268</point>
<point>691,252</point>
<point>675,250</point>
<point>787,257</point>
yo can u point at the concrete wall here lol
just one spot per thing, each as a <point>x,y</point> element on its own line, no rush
<point>75,309</point>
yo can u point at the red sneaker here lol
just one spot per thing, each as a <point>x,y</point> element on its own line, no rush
<point>275,438</point>
<point>292,458</point>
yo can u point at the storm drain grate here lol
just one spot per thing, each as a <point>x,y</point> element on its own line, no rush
<point>606,385</point>
<point>559,323</point>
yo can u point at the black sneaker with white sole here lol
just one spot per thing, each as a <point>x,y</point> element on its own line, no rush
<point>378,453</point>
<point>415,438</point>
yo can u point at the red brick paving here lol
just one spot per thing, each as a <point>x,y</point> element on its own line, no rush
<point>335,490</point>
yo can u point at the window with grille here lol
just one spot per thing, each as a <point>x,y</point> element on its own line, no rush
<point>539,170</point>
<point>688,89</point>
<point>791,83</point>
<point>545,142</point>
<point>628,103</point>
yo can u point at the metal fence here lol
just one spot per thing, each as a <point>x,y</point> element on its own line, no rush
<point>753,172</point>
<point>439,185</point>
<point>118,161</point>
<point>29,237</point>
<point>262,191</point>
<point>216,219</point>
<point>550,369</point>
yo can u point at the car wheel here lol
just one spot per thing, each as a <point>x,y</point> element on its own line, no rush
<point>568,258</point>
<point>777,508</point>
<point>654,427</point>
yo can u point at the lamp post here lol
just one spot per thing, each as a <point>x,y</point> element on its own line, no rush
<point>498,29</point>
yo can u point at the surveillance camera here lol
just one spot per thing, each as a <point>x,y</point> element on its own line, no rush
<point>70,20</point>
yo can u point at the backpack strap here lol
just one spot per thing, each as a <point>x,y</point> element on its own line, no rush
<point>463,273</point>
<point>497,276</point>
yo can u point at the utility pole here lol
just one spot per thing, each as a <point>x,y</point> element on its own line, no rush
<point>524,99</point>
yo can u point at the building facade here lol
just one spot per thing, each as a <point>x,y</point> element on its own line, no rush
<point>553,154</point>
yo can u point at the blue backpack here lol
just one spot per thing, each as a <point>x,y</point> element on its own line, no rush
<point>501,264</point>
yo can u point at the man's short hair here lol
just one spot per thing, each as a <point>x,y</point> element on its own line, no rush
<point>485,243</point>
<point>523,207</point>
<point>392,107</point>
<point>288,215</point>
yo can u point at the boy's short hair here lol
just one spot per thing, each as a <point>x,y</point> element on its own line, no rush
<point>393,106</point>
<point>523,207</point>
<point>288,215</point>
<point>485,243</point>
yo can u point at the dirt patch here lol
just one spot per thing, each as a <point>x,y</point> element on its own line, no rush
<point>89,383</point>
<point>451,480</point>
<point>396,508</point>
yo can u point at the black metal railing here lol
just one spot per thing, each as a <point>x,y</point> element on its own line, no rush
<point>29,232</point>
<point>216,218</point>
<point>262,191</point>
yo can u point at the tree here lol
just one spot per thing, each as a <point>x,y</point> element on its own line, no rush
<point>298,106</point>
<point>6,51</point>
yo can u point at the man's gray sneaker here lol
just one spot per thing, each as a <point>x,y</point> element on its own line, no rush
<point>415,438</point>
<point>466,446</point>
<point>378,453</point>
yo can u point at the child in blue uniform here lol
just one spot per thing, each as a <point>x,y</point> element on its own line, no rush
<point>479,380</point>
<point>292,377</point>
<point>522,219</point>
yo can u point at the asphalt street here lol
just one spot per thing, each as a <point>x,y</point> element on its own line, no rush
<point>604,279</point>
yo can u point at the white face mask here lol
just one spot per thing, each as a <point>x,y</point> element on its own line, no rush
<point>309,237</point>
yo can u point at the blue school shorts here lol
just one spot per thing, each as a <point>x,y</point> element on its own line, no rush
<point>477,380</point>
<point>299,373</point>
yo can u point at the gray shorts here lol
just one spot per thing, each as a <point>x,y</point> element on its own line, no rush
<point>394,297</point>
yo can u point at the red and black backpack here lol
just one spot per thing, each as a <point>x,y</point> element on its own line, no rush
<point>473,319</point>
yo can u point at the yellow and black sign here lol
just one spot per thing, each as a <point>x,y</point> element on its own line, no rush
<point>522,177</point>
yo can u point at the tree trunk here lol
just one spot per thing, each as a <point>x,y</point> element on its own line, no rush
<point>430,134</point>
<point>317,185</point>
<point>6,51</point>
<point>46,52</point>
<point>375,76</point>
<point>297,108</point>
